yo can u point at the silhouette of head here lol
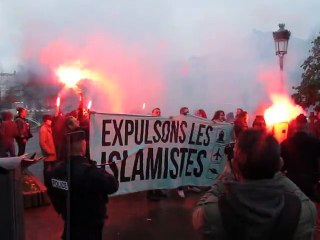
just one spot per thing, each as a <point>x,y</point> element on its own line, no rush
<point>257,155</point>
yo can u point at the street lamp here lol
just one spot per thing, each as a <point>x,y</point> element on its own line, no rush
<point>281,38</point>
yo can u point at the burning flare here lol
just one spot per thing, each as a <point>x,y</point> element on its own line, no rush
<point>282,110</point>
<point>89,105</point>
<point>70,75</point>
<point>58,102</point>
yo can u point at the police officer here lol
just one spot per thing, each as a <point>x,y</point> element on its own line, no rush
<point>79,192</point>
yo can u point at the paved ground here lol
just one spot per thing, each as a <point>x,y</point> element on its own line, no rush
<point>131,216</point>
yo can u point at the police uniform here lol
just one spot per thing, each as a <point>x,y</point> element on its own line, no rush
<point>89,191</point>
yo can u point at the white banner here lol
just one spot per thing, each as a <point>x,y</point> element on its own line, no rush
<point>157,152</point>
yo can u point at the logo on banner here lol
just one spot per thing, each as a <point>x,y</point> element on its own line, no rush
<point>215,162</point>
<point>221,136</point>
<point>216,156</point>
<point>213,170</point>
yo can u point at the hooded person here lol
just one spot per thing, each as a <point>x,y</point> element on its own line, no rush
<point>252,199</point>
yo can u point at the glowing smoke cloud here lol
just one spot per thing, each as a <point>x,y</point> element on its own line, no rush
<point>282,110</point>
<point>119,78</point>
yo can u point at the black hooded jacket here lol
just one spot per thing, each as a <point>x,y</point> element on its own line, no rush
<point>89,190</point>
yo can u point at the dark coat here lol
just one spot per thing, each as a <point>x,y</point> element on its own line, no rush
<point>301,153</point>
<point>23,129</point>
<point>90,187</point>
<point>9,132</point>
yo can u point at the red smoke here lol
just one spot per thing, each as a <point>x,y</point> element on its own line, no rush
<point>122,77</point>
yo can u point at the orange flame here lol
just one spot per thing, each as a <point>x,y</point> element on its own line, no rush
<point>282,110</point>
<point>70,76</point>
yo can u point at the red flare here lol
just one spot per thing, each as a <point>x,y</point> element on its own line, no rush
<point>58,102</point>
<point>89,105</point>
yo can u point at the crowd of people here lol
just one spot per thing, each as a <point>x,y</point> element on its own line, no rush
<point>268,190</point>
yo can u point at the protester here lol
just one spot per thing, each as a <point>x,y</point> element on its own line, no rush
<point>230,117</point>
<point>219,116</point>
<point>8,132</point>
<point>301,156</point>
<point>238,111</point>
<point>84,121</point>
<point>88,187</point>
<point>24,132</point>
<point>46,143</point>
<point>200,113</point>
<point>71,123</point>
<point>184,110</point>
<point>180,191</point>
<point>251,199</point>
<point>259,123</point>
<point>241,123</point>
<point>58,131</point>
<point>83,117</point>
<point>156,195</point>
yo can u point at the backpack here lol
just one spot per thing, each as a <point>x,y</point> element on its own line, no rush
<point>285,225</point>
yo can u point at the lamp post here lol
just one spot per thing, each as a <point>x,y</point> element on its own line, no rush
<point>281,38</point>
